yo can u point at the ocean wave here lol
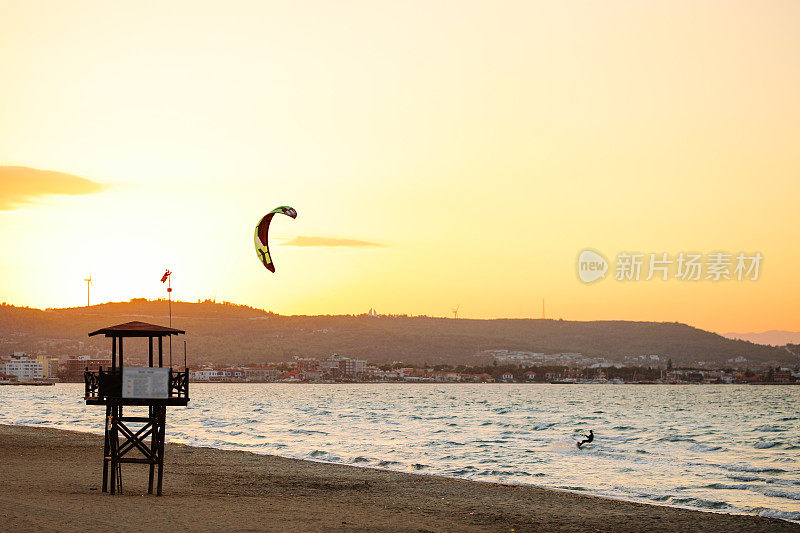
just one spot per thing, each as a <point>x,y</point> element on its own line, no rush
<point>770,429</point>
<point>725,486</point>
<point>781,515</point>
<point>461,472</point>
<point>704,448</point>
<point>745,478</point>
<point>306,432</point>
<point>657,497</point>
<point>778,493</point>
<point>700,502</point>
<point>217,423</point>
<point>756,469</point>
<point>496,473</point>
<point>761,445</point>
<point>675,438</point>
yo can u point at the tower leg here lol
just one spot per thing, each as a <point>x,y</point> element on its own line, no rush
<point>161,414</point>
<point>113,450</point>
<point>153,441</point>
<point>106,448</point>
<point>114,447</point>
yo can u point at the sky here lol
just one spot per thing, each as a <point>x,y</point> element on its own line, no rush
<point>439,154</point>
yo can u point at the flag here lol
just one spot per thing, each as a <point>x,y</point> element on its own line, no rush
<point>166,275</point>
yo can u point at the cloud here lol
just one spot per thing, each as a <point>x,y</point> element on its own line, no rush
<point>330,241</point>
<point>21,185</point>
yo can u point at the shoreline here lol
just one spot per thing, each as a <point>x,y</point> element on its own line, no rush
<point>586,493</point>
<point>648,383</point>
<point>208,488</point>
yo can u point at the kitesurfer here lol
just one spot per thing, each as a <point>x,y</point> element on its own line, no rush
<point>589,438</point>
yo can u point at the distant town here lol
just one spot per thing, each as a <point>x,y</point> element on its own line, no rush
<point>505,367</point>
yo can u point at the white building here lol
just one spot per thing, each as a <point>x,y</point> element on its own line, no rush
<point>352,366</point>
<point>25,369</point>
<point>344,365</point>
<point>210,374</point>
<point>202,375</point>
<point>261,374</point>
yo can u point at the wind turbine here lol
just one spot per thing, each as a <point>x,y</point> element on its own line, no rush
<point>88,284</point>
<point>455,311</point>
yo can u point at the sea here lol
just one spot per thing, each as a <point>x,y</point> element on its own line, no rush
<point>719,448</point>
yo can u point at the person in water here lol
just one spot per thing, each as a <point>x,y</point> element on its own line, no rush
<point>589,438</point>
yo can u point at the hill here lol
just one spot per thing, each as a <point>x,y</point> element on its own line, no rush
<point>772,337</point>
<point>232,333</point>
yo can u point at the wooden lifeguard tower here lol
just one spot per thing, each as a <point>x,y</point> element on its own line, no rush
<point>120,386</point>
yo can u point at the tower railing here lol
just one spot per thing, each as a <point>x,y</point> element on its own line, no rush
<point>103,385</point>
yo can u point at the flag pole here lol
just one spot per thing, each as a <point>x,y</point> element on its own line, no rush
<point>167,278</point>
<point>169,296</point>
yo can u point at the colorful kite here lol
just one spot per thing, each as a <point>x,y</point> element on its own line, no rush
<point>262,232</point>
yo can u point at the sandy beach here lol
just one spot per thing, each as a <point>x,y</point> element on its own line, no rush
<point>51,481</point>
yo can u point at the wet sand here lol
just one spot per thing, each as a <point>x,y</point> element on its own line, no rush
<point>50,480</point>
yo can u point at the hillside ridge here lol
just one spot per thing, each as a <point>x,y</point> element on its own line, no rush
<point>224,332</point>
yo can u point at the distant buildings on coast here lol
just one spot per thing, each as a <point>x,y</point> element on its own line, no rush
<point>333,369</point>
<point>19,367</point>
<point>299,373</point>
<point>505,367</point>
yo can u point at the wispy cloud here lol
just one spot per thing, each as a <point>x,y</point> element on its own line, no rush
<point>21,185</point>
<point>331,241</point>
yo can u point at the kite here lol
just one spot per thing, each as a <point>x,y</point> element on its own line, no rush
<point>262,231</point>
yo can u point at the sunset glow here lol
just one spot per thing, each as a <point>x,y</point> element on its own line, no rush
<point>436,155</point>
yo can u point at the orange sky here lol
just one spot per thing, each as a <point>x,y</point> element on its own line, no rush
<point>477,150</point>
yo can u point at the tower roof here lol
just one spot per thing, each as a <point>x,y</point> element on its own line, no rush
<point>137,329</point>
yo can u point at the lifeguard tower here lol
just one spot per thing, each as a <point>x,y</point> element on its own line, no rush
<point>119,386</point>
